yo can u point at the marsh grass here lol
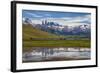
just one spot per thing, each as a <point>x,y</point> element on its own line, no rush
<point>57,43</point>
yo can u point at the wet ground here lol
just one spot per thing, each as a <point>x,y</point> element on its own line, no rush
<point>40,54</point>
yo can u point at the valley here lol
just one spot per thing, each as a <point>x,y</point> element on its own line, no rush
<point>33,37</point>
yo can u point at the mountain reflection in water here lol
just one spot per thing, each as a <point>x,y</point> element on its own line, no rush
<point>39,54</point>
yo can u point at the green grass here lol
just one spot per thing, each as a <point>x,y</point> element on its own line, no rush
<point>58,43</point>
<point>31,32</point>
<point>53,43</point>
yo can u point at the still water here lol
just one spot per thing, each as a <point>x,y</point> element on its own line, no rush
<point>39,54</point>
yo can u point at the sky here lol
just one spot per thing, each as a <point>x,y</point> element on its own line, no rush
<point>63,18</point>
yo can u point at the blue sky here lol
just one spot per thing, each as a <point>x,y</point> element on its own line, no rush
<point>69,17</point>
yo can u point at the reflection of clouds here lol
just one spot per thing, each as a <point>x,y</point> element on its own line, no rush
<point>42,54</point>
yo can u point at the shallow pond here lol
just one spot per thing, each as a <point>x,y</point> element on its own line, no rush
<point>39,54</point>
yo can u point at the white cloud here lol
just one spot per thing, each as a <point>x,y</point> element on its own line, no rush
<point>35,21</point>
<point>34,15</point>
<point>80,19</point>
<point>69,21</point>
<point>47,14</point>
<point>38,15</point>
<point>60,21</point>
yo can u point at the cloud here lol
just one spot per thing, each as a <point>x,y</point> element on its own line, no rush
<point>66,18</point>
<point>37,18</point>
<point>60,21</point>
<point>80,19</point>
<point>71,21</point>
<point>77,19</point>
<point>38,15</point>
<point>33,15</point>
<point>47,14</point>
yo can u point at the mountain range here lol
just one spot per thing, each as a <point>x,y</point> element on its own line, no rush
<point>58,29</point>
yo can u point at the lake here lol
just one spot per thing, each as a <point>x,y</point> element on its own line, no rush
<point>41,54</point>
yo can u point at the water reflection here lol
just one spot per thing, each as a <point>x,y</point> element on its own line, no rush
<point>56,54</point>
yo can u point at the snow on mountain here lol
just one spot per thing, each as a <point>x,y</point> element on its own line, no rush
<point>26,21</point>
<point>54,26</point>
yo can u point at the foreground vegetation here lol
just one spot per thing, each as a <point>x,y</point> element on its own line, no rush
<point>58,43</point>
